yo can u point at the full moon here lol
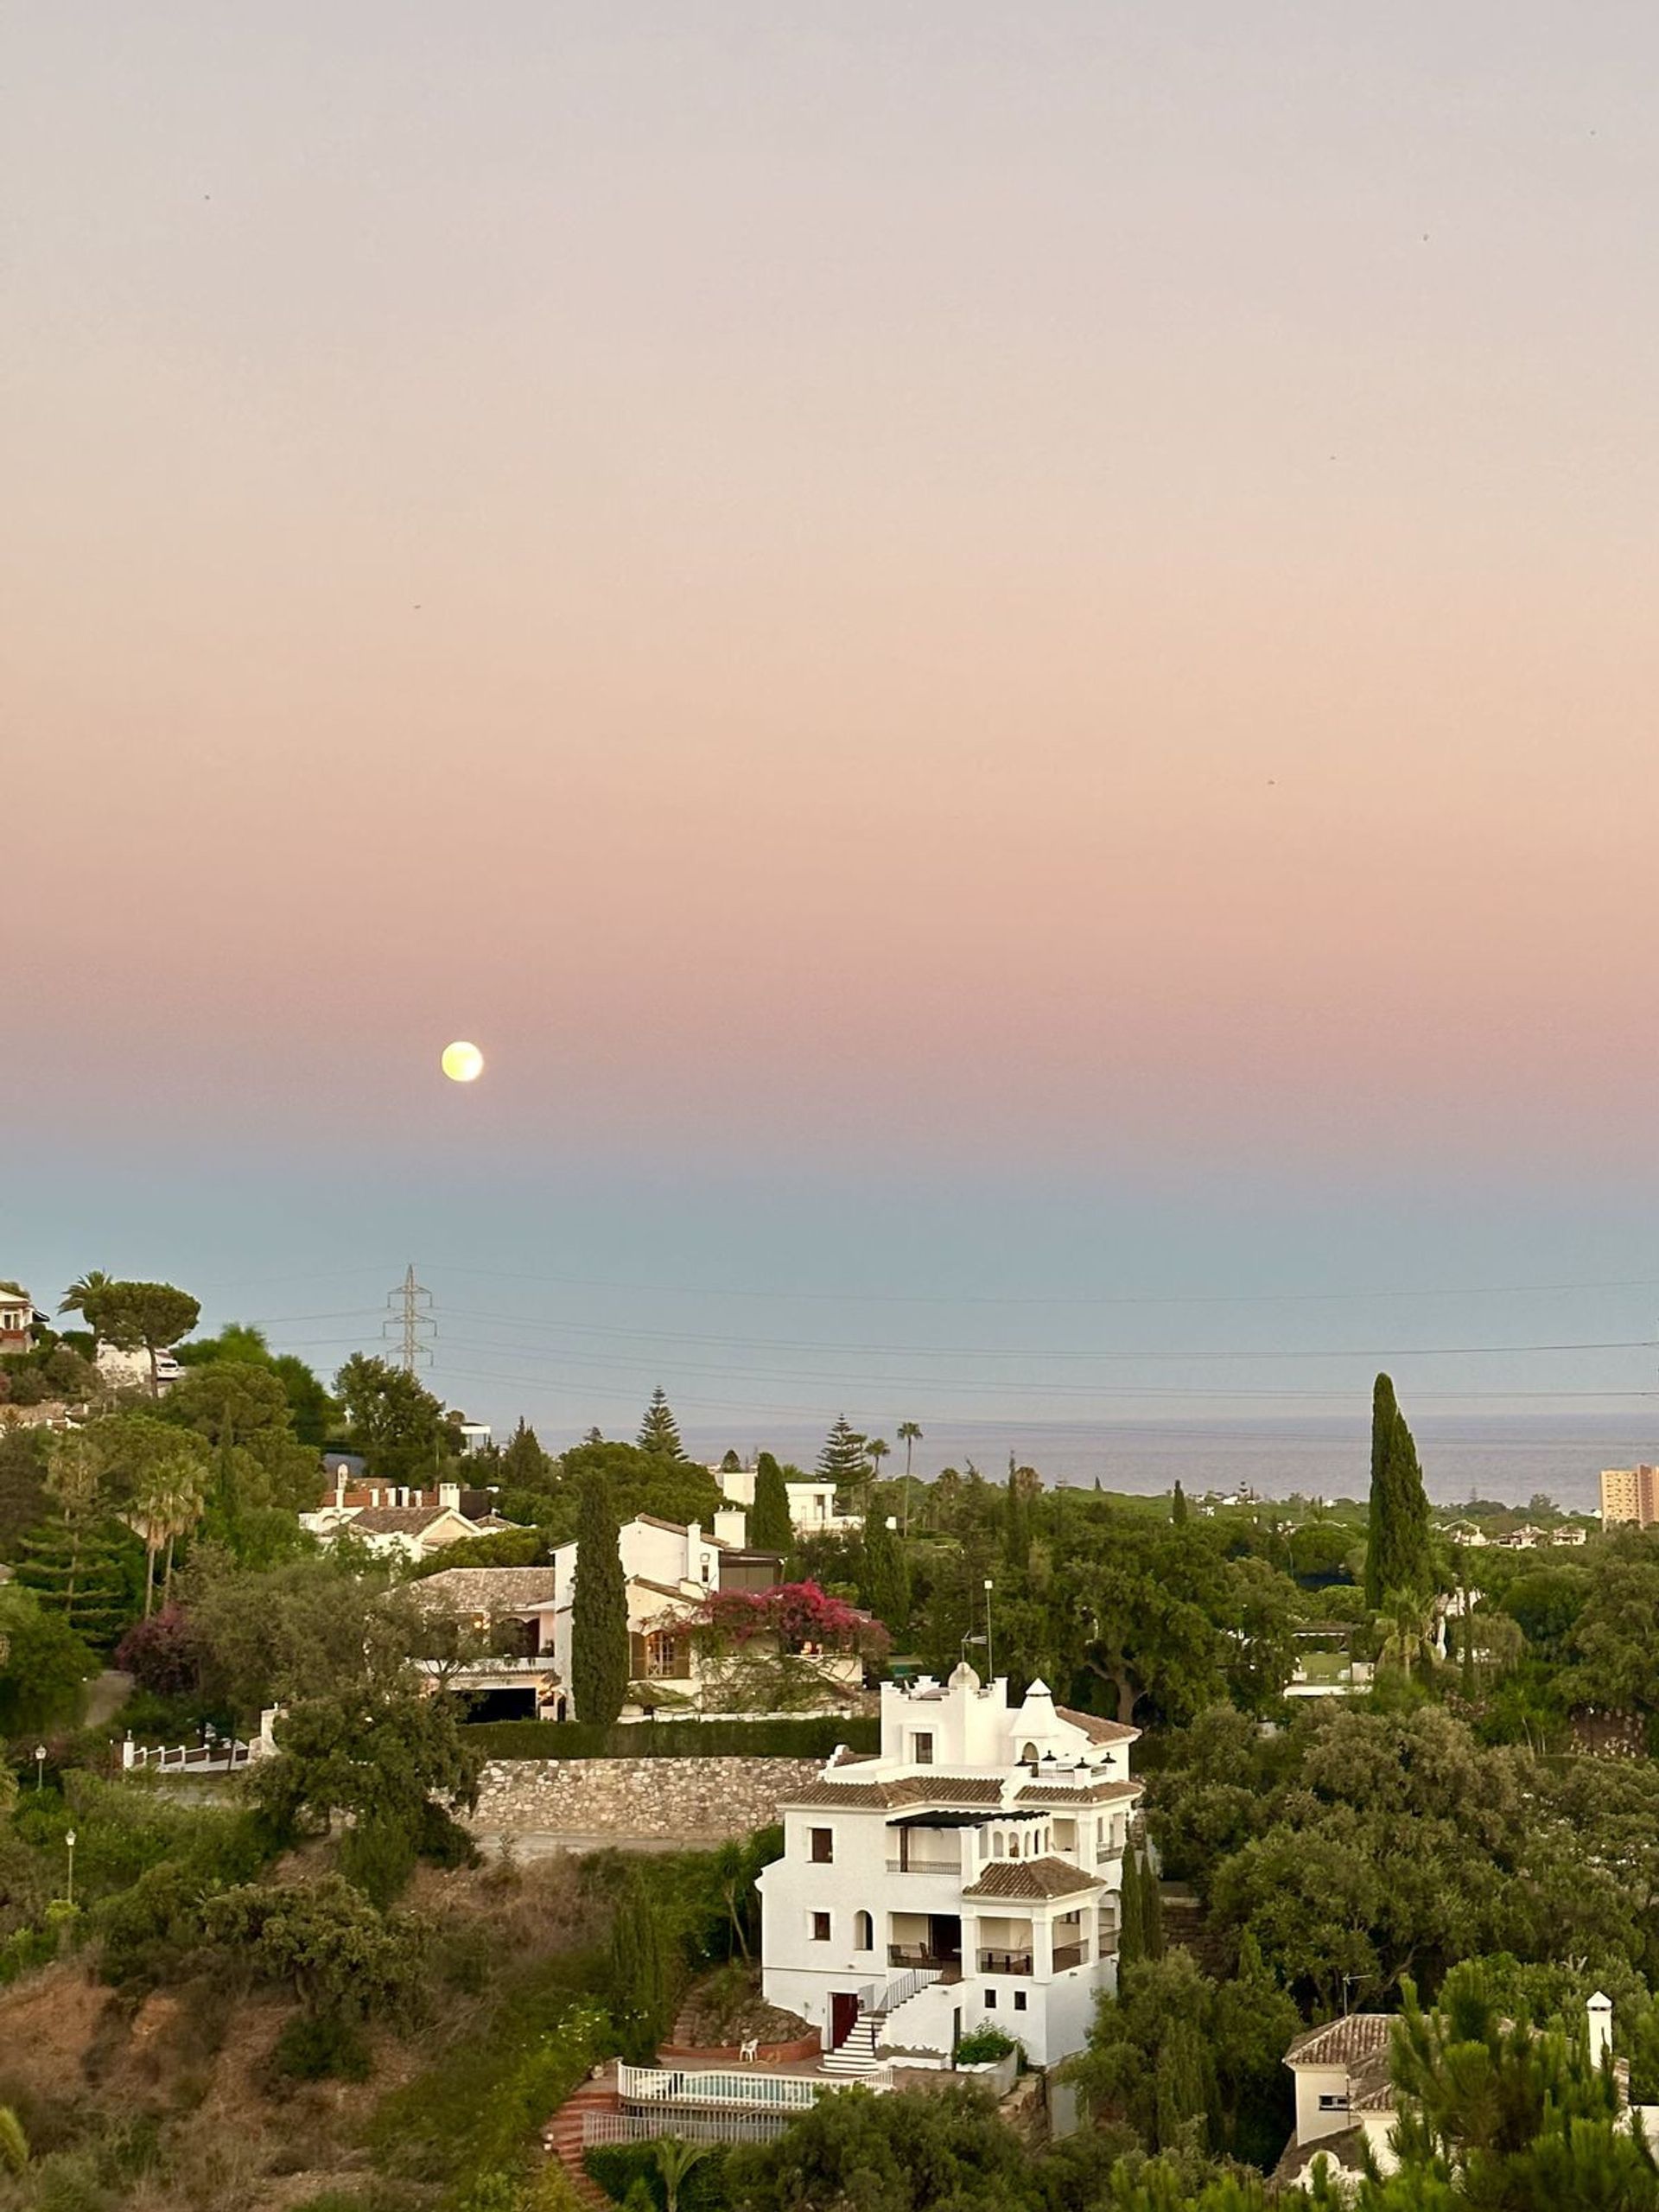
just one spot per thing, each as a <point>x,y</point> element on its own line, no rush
<point>462,1063</point>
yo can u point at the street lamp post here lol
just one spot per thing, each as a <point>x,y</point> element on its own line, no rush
<point>990,1657</point>
<point>39,1767</point>
<point>69,1840</point>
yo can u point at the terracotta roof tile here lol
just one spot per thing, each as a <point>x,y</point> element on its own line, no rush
<point>490,1589</point>
<point>400,1520</point>
<point>1096,1730</point>
<point>1031,1877</point>
<point>1093,1793</point>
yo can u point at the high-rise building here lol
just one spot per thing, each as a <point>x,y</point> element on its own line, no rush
<point>1629,1495</point>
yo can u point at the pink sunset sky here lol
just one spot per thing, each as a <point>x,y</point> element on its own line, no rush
<point>915,603</point>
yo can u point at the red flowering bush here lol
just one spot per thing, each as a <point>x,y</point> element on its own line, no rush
<point>799,1615</point>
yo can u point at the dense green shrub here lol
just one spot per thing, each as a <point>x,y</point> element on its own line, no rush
<point>673,1740</point>
<point>623,2169</point>
<point>984,2047</point>
<point>321,2048</point>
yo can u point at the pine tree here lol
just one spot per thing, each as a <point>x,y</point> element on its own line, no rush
<point>1131,1921</point>
<point>841,1460</point>
<point>771,1528</point>
<point>659,1431</point>
<point>524,1465</point>
<point>1178,1505</point>
<point>1398,1556</point>
<point>640,1988</point>
<point>599,1612</point>
<point>884,1576</point>
<point>84,1570</point>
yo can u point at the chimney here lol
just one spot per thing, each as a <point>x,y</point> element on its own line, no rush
<point>1600,2010</point>
<point>339,1484</point>
<point>449,1497</point>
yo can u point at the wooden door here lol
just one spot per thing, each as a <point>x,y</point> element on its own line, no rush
<point>843,2013</point>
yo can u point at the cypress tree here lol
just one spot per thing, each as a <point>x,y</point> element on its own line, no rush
<point>599,1611</point>
<point>1131,1921</point>
<point>770,1527</point>
<point>1398,1556</point>
<point>659,1431</point>
<point>639,1990</point>
<point>1178,1505</point>
<point>1016,1521</point>
<point>884,1578</point>
<point>1151,1911</point>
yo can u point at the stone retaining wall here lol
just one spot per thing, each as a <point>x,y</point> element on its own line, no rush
<point>696,1800</point>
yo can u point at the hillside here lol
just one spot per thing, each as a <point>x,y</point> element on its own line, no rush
<point>134,2099</point>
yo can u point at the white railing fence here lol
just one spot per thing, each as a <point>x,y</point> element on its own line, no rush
<point>690,2127</point>
<point>753,2087</point>
<point>907,1985</point>
<point>221,1757</point>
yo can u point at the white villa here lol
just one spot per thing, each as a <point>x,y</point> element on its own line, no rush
<point>966,1877</point>
<point>812,1504</point>
<point>668,1570</point>
<point>397,1523</point>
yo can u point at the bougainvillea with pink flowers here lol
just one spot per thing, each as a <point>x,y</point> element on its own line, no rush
<point>802,1618</point>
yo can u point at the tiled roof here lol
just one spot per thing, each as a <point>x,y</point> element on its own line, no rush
<point>1096,1730</point>
<point>398,1520</point>
<point>1342,2042</point>
<point>679,1529</point>
<point>490,1589</point>
<point>908,1790</point>
<point>1360,2044</point>
<point>1031,1877</point>
<point>1092,1793</point>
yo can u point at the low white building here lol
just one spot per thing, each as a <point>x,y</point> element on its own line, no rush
<point>119,1369</point>
<point>811,1502</point>
<point>966,1877</point>
<point>1344,2098</point>
<point>394,1522</point>
<point>668,1570</point>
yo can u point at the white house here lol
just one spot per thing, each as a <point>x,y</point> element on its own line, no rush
<point>668,1570</point>
<point>1344,2096</point>
<point>1345,2104</point>
<point>966,1877</point>
<point>811,1502</point>
<point>393,1522</point>
<point>121,1370</point>
<point>18,1318</point>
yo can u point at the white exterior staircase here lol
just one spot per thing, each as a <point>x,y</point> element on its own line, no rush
<point>857,2054</point>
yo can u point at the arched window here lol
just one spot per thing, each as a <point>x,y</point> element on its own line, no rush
<point>863,1932</point>
<point>1028,1754</point>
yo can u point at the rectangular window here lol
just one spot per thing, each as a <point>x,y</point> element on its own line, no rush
<point>1019,2000</point>
<point>921,1749</point>
<point>1333,2104</point>
<point>823,1847</point>
<point>990,2000</point>
<point>820,1928</point>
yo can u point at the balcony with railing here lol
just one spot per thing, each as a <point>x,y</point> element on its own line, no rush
<point>1006,1963</point>
<point>1071,1954</point>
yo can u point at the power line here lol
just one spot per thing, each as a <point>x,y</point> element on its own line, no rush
<point>1127,1298</point>
<point>410,1322</point>
<point>1030,1352</point>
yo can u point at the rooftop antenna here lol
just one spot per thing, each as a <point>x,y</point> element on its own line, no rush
<point>410,1322</point>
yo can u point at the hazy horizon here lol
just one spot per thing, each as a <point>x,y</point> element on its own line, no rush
<point>999,662</point>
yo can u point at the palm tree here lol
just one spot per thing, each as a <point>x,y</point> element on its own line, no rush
<point>909,1433</point>
<point>876,1449</point>
<point>167,1506</point>
<point>84,1290</point>
<point>675,2159</point>
<point>1409,1643</point>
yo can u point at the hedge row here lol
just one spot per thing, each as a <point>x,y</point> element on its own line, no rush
<point>672,1740</point>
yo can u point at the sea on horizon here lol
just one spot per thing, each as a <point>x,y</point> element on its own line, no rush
<point>1509,1459</point>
